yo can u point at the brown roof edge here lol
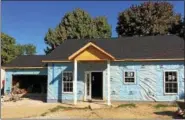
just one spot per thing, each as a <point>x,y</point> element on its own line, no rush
<point>127,59</point>
<point>170,59</point>
<point>23,67</point>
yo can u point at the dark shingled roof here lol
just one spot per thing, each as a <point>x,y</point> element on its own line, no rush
<point>27,61</point>
<point>146,47</point>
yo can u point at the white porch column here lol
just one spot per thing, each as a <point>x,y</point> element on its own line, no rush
<point>108,82</point>
<point>75,82</point>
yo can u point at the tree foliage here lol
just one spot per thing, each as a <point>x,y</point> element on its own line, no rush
<point>10,50</point>
<point>29,49</point>
<point>181,33</point>
<point>148,18</point>
<point>75,25</point>
<point>179,29</point>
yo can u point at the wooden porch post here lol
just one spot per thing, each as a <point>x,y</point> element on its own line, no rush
<point>108,82</point>
<point>75,82</point>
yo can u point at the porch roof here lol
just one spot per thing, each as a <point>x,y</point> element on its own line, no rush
<point>91,52</point>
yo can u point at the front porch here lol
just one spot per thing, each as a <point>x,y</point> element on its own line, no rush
<point>91,52</point>
<point>96,81</point>
<point>86,76</point>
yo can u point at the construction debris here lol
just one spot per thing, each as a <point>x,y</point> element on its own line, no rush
<point>16,94</point>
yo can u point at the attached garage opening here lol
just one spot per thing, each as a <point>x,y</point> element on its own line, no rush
<point>33,86</point>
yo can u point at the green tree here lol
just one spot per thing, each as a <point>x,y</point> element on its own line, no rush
<point>182,33</point>
<point>102,27</point>
<point>10,50</point>
<point>20,49</point>
<point>179,29</point>
<point>29,49</point>
<point>75,25</point>
<point>148,18</point>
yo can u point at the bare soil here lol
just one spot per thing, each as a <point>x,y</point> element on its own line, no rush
<point>27,108</point>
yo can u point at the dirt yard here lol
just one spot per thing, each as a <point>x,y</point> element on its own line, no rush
<point>27,108</point>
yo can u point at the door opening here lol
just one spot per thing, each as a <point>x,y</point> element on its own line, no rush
<point>97,85</point>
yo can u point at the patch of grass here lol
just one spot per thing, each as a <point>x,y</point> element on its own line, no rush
<point>130,105</point>
<point>55,109</point>
<point>84,108</point>
<point>160,106</point>
<point>44,114</point>
<point>58,107</point>
<point>173,105</point>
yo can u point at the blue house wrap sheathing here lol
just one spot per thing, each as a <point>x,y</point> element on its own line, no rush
<point>119,69</point>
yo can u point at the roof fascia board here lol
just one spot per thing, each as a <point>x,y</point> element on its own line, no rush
<point>23,67</point>
<point>129,60</point>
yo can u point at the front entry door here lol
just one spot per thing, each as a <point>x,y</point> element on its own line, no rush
<point>97,85</point>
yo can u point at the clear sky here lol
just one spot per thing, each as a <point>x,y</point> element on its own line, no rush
<point>28,22</point>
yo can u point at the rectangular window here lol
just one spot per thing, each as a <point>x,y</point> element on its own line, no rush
<point>170,82</point>
<point>67,81</point>
<point>129,77</point>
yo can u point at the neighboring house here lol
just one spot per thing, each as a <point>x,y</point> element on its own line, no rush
<point>117,69</point>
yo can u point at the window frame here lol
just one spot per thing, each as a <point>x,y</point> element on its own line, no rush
<point>164,86</point>
<point>64,82</point>
<point>129,83</point>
